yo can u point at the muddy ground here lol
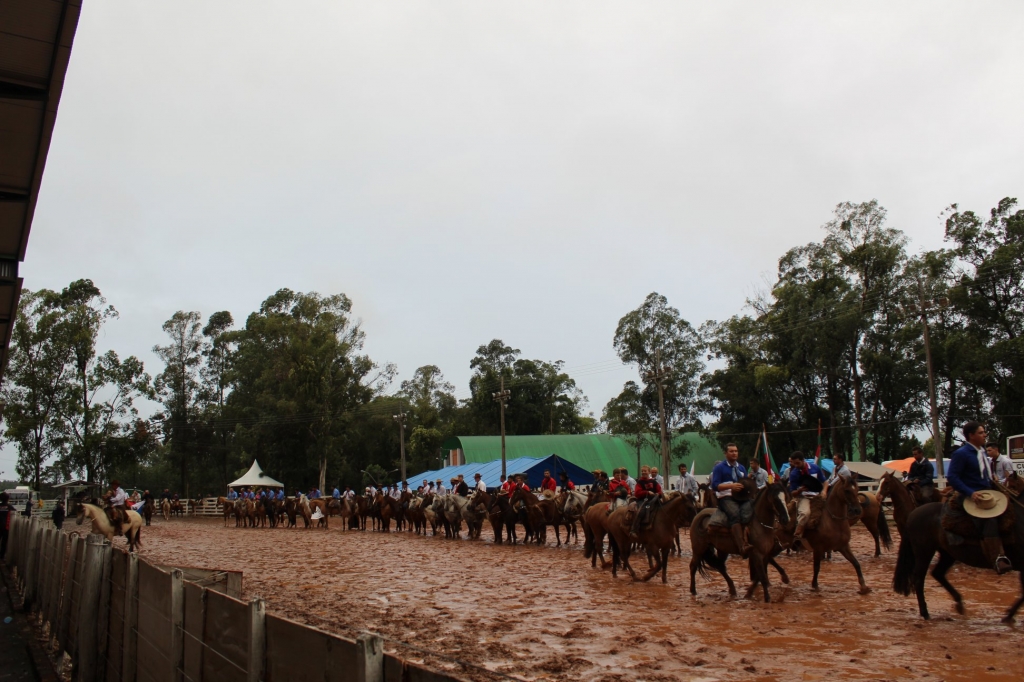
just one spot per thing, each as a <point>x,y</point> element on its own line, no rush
<point>544,613</point>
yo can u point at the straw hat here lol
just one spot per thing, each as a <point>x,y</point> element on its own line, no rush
<point>990,503</point>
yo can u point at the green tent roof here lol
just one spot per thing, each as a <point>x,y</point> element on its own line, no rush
<point>590,451</point>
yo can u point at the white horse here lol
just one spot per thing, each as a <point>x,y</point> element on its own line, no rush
<point>102,525</point>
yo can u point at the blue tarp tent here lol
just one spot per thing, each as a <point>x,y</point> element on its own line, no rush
<point>490,472</point>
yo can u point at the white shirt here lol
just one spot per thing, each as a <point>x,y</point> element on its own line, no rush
<point>481,486</point>
<point>631,481</point>
<point>660,480</point>
<point>440,490</point>
<point>688,485</point>
<point>119,497</point>
<point>348,494</point>
<point>1002,468</point>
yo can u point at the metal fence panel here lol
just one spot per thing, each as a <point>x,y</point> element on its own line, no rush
<point>299,652</point>
<point>156,658</point>
<point>227,655</point>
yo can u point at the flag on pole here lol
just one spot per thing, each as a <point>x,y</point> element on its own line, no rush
<point>817,451</point>
<point>769,463</point>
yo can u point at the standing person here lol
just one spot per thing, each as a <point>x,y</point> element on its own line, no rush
<point>6,512</point>
<point>759,475</point>
<point>725,481</point>
<point>688,484</point>
<point>657,477</point>
<point>1002,466</point>
<point>58,515</point>
<point>647,492</point>
<point>629,479</point>
<point>566,484</point>
<point>548,483</point>
<point>970,473</point>
<point>805,483</point>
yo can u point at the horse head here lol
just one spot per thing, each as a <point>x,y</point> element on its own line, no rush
<point>778,495</point>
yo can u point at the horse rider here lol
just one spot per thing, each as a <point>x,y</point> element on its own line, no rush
<point>1002,466</point>
<point>725,481</point>
<point>565,484</point>
<point>646,492</point>
<point>805,482</point>
<point>147,498</point>
<point>280,495</point>
<point>600,480</point>
<point>548,483</point>
<point>118,501</point>
<point>349,493</point>
<point>479,485</point>
<point>618,489</point>
<point>840,471</point>
<point>757,474</point>
<point>687,484</point>
<point>460,486</point>
<point>439,488</point>
<point>629,479</point>
<point>970,473</point>
<point>657,477</point>
<point>232,494</point>
<point>508,485</point>
<point>165,495</point>
<point>922,472</point>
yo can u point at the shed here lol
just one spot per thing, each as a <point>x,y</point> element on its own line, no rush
<point>490,472</point>
<point>255,477</point>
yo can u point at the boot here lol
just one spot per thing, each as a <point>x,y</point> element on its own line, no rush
<point>739,537</point>
<point>992,548</point>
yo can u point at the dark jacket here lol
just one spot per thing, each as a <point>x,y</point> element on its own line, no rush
<point>922,472</point>
<point>58,516</point>
<point>963,471</point>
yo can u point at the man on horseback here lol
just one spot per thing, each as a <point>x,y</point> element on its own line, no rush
<point>840,471</point>
<point>922,473</point>
<point>647,493</point>
<point>970,474</point>
<point>548,483</point>
<point>806,483</point>
<point>564,483</point>
<point>688,484</point>
<point>725,480</point>
<point>118,501</point>
<point>757,474</point>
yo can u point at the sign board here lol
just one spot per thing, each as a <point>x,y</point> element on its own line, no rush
<point>1015,450</point>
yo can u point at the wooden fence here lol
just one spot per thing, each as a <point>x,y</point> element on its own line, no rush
<point>122,619</point>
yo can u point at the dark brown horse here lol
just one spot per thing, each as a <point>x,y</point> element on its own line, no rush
<point>902,499</point>
<point>540,514</point>
<point>876,523</point>
<point>924,536</point>
<point>659,537</point>
<point>833,530</point>
<point>712,545</point>
<point>595,526</point>
<point>503,516</point>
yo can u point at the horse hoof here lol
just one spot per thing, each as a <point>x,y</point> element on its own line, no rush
<point>864,590</point>
<point>785,580</point>
<point>1007,620</point>
<point>960,608</point>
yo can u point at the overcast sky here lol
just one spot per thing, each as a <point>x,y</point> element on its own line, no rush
<point>527,171</point>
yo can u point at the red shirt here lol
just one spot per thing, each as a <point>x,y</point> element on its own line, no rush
<point>548,484</point>
<point>569,485</point>
<point>523,486</point>
<point>508,486</point>
<point>645,487</point>
<point>615,485</point>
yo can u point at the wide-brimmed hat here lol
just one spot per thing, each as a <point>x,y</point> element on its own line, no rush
<point>990,503</point>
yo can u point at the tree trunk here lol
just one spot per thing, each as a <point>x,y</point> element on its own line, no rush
<point>862,444</point>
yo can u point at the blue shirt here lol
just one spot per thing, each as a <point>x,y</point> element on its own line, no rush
<point>795,474</point>
<point>280,494</point>
<point>232,495</point>
<point>964,472</point>
<point>336,494</point>
<point>723,473</point>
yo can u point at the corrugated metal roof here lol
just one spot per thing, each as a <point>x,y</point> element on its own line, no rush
<point>490,472</point>
<point>588,451</point>
<point>35,45</point>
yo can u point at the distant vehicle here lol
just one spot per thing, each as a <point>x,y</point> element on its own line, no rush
<point>19,495</point>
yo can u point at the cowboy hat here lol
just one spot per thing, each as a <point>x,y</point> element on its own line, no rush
<point>990,503</point>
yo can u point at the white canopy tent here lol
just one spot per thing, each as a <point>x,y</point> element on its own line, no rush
<point>255,477</point>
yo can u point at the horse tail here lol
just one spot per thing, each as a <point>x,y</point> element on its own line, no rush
<point>901,579</point>
<point>707,558</point>
<point>883,530</point>
<point>588,541</point>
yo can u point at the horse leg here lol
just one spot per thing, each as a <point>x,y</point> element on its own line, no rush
<point>873,529</point>
<point>845,551</point>
<point>782,572</point>
<point>1008,618</point>
<point>664,565</point>
<point>720,559</point>
<point>818,555</point>
<point>939,573</point>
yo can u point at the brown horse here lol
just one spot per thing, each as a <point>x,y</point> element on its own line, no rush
<point>708,500</point>
<point>502,512</point>
<point>874,520</point>
<point>659,537</point>
<point>925,536</point>
<point>389,509</point>
<point>712,545</point>
<point>902,499</point>
<point>595,526</point>
<point>540,514</point>
<point>833,530</point>
<point>147,511</point>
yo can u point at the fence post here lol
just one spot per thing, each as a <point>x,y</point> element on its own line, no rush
<point>257,639</point>
<point>31,565</point>
<point>131,619</point>
<point>12,541</point>
<point>53,604</point>
<point>88,613</point>
<point>64,620</point>
<point>103,616</point>
<point>177,652</point>
<point>369,658</point>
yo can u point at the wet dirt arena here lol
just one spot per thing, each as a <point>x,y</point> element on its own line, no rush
<point>544,613</point>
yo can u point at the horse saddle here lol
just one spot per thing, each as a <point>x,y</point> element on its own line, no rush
<point>718,518</point>
<point>960,526</point>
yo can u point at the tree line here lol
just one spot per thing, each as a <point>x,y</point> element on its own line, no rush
<point>836,339</point>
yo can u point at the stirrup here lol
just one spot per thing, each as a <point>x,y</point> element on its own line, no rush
<point>1003,564</point>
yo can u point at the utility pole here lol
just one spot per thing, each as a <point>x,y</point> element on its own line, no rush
<point>923,306</point>
<point>657,376</point>
<point>501,397</point>
<point>400,418</point>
